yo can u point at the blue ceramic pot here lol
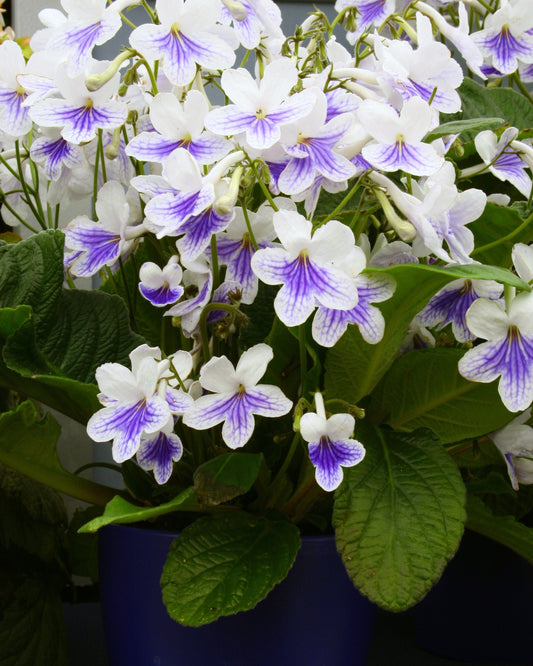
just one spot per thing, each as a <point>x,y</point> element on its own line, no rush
<point>480,610</point>
<point>314,617</point>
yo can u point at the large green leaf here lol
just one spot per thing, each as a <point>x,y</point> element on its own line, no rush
<point>226,563</point>
<point>119,510</point>
<point>28,444</point>
<point>399,516</point>
<point>54,336</point>
<point>32,625</point>
<point>424,389</point>
<point>481,102</point>
<point>225,477</point>
<point>354,367</point>
<point>461,126</point>
<point>504,529</point>
<point>33,518</point>
<point>496,231</point>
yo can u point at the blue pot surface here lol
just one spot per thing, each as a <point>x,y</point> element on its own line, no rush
<point>314,617</point>
<point>480,610</point>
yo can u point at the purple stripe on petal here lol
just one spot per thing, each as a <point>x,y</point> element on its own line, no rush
<point>162,296</point>
<point>14,117</point>
<point>158,454</point>
<point>198,230</point>
<point>297,176</point>
<point>152,147</point>
<point>239,422</point>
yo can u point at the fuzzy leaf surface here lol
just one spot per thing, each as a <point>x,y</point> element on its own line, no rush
<point>226,563</point>
<point>399,516</point>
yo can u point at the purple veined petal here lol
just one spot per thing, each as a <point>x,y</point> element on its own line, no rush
<point>297,176</point>
<point>187,306</point>
<point>210,51</point>
<point>510,167</point>
<point>157,41</point>
<point>168,212</point>
<point>198,230</point>
<point>208,148</point>
<point>55,153</point>
<point>229,120</point>
<point>239,270</point>
<point>79,123</point>
<point>152,147</point>
<point>208,411</point>
<point>263,133</point>
<point>445,101</point>
<point>14,116</point>
<point>152,186</point>
<point>328,456</point>
<point>161,296</point>
<point>125,424</point>
<point>331,165</point>
<point>294,108</point>
<point>239,422</point>
<point>158,453</point>
<point>80,39</point>
<point>510,357</point>
<point>418,159</point>
<point>228,248</point>
<point>100,247</point>
<point>268,400</point>
<point>450,305</point>
<point>307,285</point>
<point>506,49</point>
<point>329,326</point>
<point>341,101</point>
<point>178,401</point>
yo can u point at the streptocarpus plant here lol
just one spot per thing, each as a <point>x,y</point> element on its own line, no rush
<point>315,309</point>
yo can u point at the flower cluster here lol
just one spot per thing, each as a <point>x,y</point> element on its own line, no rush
<point>212,181</point>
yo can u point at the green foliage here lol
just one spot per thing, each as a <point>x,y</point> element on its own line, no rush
<point>474,125</point>
<point>504,529</point>
<point>53,339</point>
<point>423,389</point>
<point>399,516</point>
<point>226,563</point>
<point>32,626</point>
<point>225,477</point>
<point>481,102</point>
<point>119,510</point>
<point>354,367</point>
<point>496,231</point>
<point>28,444</point>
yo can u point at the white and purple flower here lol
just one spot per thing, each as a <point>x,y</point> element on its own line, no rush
<point>236,396</point>
<point>330,444</point>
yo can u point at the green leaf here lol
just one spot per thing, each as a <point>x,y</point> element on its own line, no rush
<point>119,510</point>
<point>481,102</point>
<point>32,626</point>
<point>33,517</point>
<point>354,367</point>
<point>504,529</point>
<point>28,444</point>
<point>459,126</point>
<point>55,336</point>
<point>398,516</point>
<point>496,231</point>
<point>83,548</point>
<point>225,477</point>
<point>224,564</point>
<point>423,389</point>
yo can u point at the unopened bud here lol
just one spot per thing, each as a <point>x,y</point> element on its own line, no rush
<point>236,9</point>
<point>225,204</point>
<point>96,81</point>
<point>113,148</point>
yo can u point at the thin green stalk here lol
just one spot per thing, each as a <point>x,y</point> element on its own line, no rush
<point>128,294</point>
<point>249,226</point>
<point>343,203</point>
<point>263,187</point>
<point>214,262</point>
<point>505,238</point>
<point>303,356</point>
<point>100,147</point>
<point>22,180</point>
<point>20,219</point>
